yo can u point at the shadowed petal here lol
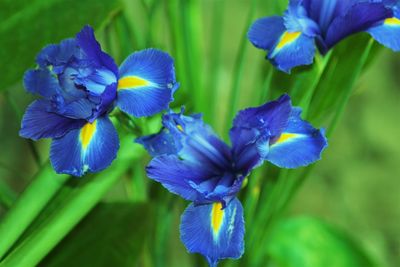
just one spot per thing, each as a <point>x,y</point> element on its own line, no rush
<point>41,82</point>
<point>359,17</point>
<point>37,123</point>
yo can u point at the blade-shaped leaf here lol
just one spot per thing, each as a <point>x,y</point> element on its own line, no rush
<point>113,234</point>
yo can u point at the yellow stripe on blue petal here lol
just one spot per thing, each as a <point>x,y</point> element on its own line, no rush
<point>217,217</point>
<point>132,82</point>
<point>287,38</point>
<point>87,134</point>
<point>285,137</point>
<point>392,22</point>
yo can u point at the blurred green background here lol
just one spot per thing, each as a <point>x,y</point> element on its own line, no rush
<point>355,187</point>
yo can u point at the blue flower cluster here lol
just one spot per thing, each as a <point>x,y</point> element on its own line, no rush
<point>79,85</point>
<point>291,40</point>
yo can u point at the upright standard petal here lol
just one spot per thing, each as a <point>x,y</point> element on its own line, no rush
<point>359,17</point>
<point>298,145</point>
<point>387,33</point>
<point>88,43</point>
<point>41,82</point>
<point>38,123</point>
<point>214,232</point>
<point>91,148</point>
<point>147,83</point>
<point>252,129</point>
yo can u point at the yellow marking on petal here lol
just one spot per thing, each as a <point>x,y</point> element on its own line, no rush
<point>180,128</point>
<point>392,21</point>
<point>287,38</point>
<point>284,137</point>
<point>131,82</point>
<point>87,133</point>
<point>217,216</point>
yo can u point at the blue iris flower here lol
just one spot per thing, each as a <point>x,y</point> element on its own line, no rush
<point>291,40</point>
<point>79,85</point>
<point>191,161</point>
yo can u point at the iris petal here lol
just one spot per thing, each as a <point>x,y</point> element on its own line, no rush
<point>176,175</point>
<point>299,145</point>
<point>264,32</point>
<point>359,17</point>
<point>291,50</point>
<point>41,82</point>
<point>214,232</point>
<point>252,129</point>
<point>38,123</point>
<point>88,43</point>
<point>90,148</point>
<point>387,33</point>
<point>147,83</point>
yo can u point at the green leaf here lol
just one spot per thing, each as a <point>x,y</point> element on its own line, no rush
<point>113,234</point>
<point>27,26</point>
<point>73,205</point>
<point>306,241</point>
<point>42,189</point>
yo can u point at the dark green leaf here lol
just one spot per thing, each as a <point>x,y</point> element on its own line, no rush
<point>113,234</point>
<point>27,26</point>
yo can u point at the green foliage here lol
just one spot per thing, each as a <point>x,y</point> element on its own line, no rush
<point>112,234</point>
<point>306,241</point>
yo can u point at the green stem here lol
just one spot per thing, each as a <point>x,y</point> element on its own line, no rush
<point>342,105</point>
<point>7,195</point>
<point>43,187</point>
<point>266,87</point>
<point>36,246</point>
<point>307,97</point>
<point>215,51</point>
<point>18,115</point>
<point>239,67</point>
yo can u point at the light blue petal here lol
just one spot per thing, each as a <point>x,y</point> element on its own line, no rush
<point>291,50</point>
<point>91,148</point>
<point>299,145</point>
<point>216,234</point>
<point>387,33</point>
<point>265,32</point>
<point>147,83</point>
